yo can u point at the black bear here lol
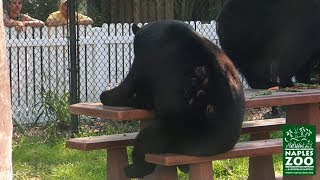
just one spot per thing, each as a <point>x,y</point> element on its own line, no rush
<point>193,88</point>
<point>270,41</point>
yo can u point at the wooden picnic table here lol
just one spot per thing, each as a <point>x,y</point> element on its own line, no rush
<point>300,107</point>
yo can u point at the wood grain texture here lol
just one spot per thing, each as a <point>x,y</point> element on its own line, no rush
<point>101,142</point>
<point>117,160</point>
<point>305,114</point>
<point>261,167</point>
<point>201,171</point>
<point>123,140</point>
<point>266,125</point>
<point>107,112</point>
<point>301,108</point>
<point>280,98</point>
<point>241,149</point>
<point>308,96</point>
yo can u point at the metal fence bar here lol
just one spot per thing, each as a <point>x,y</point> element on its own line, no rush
<point>74,62</point>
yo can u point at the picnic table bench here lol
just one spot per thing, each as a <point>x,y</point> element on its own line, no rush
<point>300,107</point>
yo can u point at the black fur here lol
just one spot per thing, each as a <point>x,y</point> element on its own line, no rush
<point>193,88</point>
<point>271,39</point>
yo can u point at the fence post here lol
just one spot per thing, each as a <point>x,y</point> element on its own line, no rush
<point>74,64</point>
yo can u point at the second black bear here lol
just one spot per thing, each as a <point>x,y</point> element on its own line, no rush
<point>271,39</point>
<point>193,88</point>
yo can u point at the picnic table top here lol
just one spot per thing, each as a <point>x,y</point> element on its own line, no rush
<point>255,98</point>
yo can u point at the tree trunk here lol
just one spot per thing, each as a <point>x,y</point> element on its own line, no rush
<point>5,110</point>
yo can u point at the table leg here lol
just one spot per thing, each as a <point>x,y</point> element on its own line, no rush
<point>304,114</point>
<point>261,167</point>
<point>201,171</point>
<point>117,160</point>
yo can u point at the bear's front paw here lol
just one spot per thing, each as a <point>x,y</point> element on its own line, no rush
<point>135,171</point>
<point>106,97</point>
<point>113,98</point>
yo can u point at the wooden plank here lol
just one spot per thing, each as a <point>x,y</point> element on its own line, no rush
<point>305,114</point>
<point>37,67</point>
<point>108,112</point>
<point>101,142</point>
<point>119,56</point>
<point>307,96</point>
<point>113,59</point>
<point>242,149</point>
<point>23,61</point>
<point>14,74</point>
<point>87,65</point>
<point>45,59</point>
<point>29,67</point>
<point>128,113</point>
<point>126,50</point>
<point>100,66</point>
<point>265,125</point>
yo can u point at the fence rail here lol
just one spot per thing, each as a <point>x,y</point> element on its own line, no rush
<point>39,62</point>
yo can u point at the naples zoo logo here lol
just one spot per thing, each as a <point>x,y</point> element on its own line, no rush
<point>299,150</point>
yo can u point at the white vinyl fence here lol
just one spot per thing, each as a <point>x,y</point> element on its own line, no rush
<point>39,62</point>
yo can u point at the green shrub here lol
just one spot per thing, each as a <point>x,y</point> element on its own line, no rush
<point>55,106</point>
<point>40,9</point>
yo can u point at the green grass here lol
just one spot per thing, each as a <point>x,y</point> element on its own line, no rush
<point>36,158</point>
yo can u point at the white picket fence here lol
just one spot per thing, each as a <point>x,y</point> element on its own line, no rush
<point>39,60</point>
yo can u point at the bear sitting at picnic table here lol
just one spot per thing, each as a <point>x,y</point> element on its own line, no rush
<point>193,88</point>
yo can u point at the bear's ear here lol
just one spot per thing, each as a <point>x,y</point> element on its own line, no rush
<point>135,28</point>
